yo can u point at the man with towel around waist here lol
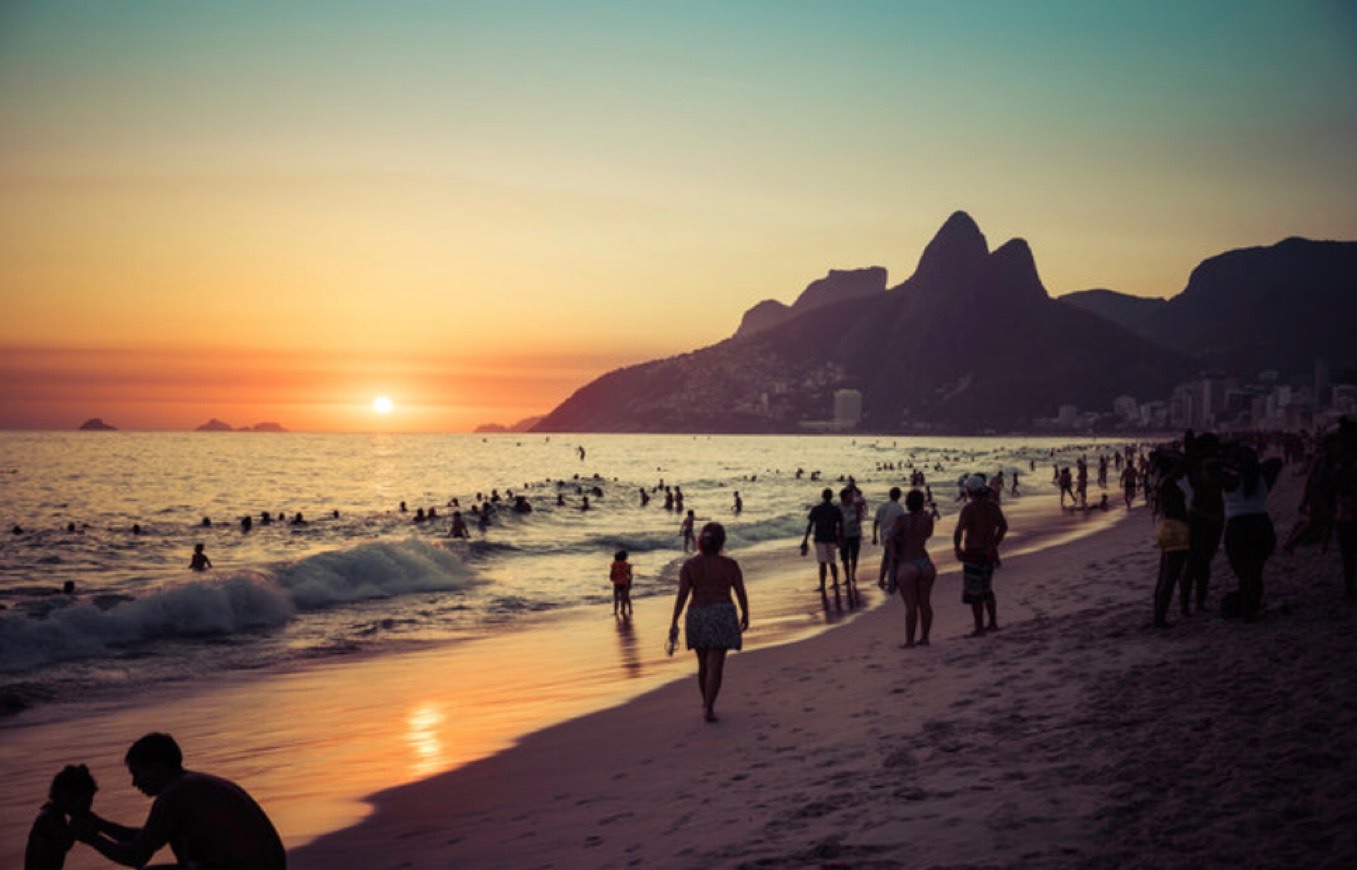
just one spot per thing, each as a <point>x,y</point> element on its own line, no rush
<point>979,530</point>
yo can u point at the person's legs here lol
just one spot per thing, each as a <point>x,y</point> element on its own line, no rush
<point>702,674</point>
<point>1248,543</point>
<point>978,611</point>
<point>993,607</point>
<point>715,668</point>
<point>1204,540</point>
<point>926,579</point>
<point>617,599</point>
<point>1347,546</point>
<point>1170,568</point>
<point>908,578</point>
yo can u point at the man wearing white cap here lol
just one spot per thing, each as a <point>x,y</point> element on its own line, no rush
<point>979,530</point>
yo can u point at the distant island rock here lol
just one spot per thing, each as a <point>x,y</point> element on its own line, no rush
<point>524,425</point>
<point>96,424</point>
<point>215,425</point>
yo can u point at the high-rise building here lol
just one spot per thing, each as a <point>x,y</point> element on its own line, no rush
<point>847,408</point>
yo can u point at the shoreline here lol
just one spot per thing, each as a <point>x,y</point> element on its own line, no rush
<point>312,744</point>
<point>1076,736</point>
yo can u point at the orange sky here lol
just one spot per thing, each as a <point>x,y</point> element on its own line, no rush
<point>275,212</point>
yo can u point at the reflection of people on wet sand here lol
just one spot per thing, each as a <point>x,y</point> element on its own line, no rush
<point>979,530</point>
<point>711,627</point>
<point>50,838</point>
<point>199,562</point>
<point>207,821</point>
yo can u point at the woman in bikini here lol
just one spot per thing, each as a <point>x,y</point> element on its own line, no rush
<point>914,571</point>
<point>711,627</point>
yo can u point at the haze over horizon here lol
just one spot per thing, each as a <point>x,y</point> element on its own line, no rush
<point>279,212</point>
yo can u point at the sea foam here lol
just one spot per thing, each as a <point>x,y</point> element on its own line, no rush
<point>220,604</point>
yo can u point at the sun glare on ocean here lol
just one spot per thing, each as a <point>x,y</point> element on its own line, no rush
<point>383,405</point>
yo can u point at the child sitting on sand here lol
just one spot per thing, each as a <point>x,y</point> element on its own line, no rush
<point>620,574</point>
<point>50,838</point>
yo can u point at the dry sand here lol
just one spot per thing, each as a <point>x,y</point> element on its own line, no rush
<point>1075,737</point>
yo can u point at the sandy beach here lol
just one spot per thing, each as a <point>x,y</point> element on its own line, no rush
<point>1077,736</point>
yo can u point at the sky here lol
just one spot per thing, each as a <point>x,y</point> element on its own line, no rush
<point>262,211</point>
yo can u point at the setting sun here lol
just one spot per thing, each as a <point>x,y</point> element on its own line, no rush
<point>383,405</point>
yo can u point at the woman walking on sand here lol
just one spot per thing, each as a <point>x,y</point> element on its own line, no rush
<point>914,570</point>
<point>711,627</point>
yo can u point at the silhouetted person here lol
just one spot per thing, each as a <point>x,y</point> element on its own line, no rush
<point>68,588</point>
<point>827,522</point>
<point>246,523</point>
<point>1174,543</point>
<point>298,520</point>
<point>199,562</point>
<point>1249,535</point>
<point>711,627</point>
<point>980,529</point>
<point>1205,511</point>
<point>51,837</point>
<point>206,523</point>
<point>459,529</point>
<point>207,821</point>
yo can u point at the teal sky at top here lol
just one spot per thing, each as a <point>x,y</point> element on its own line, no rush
<point>1090,128</point>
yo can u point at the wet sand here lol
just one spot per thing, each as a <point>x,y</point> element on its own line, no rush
<point>1077,736</point>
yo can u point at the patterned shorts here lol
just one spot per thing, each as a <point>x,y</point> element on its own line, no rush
<point>714,627</point>
<point>976,582</point>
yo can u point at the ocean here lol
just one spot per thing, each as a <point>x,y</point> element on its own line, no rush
<point>360,581</point>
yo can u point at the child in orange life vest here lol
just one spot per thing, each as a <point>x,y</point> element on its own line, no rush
<point>620,574</point>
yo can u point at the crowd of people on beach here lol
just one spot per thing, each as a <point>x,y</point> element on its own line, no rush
<point>1205,493</point>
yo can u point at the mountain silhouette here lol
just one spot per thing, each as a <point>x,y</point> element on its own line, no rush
<point>970,341</point>
<point>1277,307</point>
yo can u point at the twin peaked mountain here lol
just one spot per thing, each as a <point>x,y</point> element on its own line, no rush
<point>972,341</point>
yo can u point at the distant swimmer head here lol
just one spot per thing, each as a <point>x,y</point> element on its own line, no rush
<point>976,484</point>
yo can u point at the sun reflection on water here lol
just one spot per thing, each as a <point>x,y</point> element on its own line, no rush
<point>425,740</point>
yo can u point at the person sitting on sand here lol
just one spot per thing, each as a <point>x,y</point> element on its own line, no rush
<point>980,529</point>
<point>711,627</point>
<point>50,838</point>
<point>620,575</point>
<point>207,821</point>
<point>199,562</point>
<point>914,569</point>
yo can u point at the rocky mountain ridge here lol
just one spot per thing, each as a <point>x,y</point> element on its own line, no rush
<point>970,341</point>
